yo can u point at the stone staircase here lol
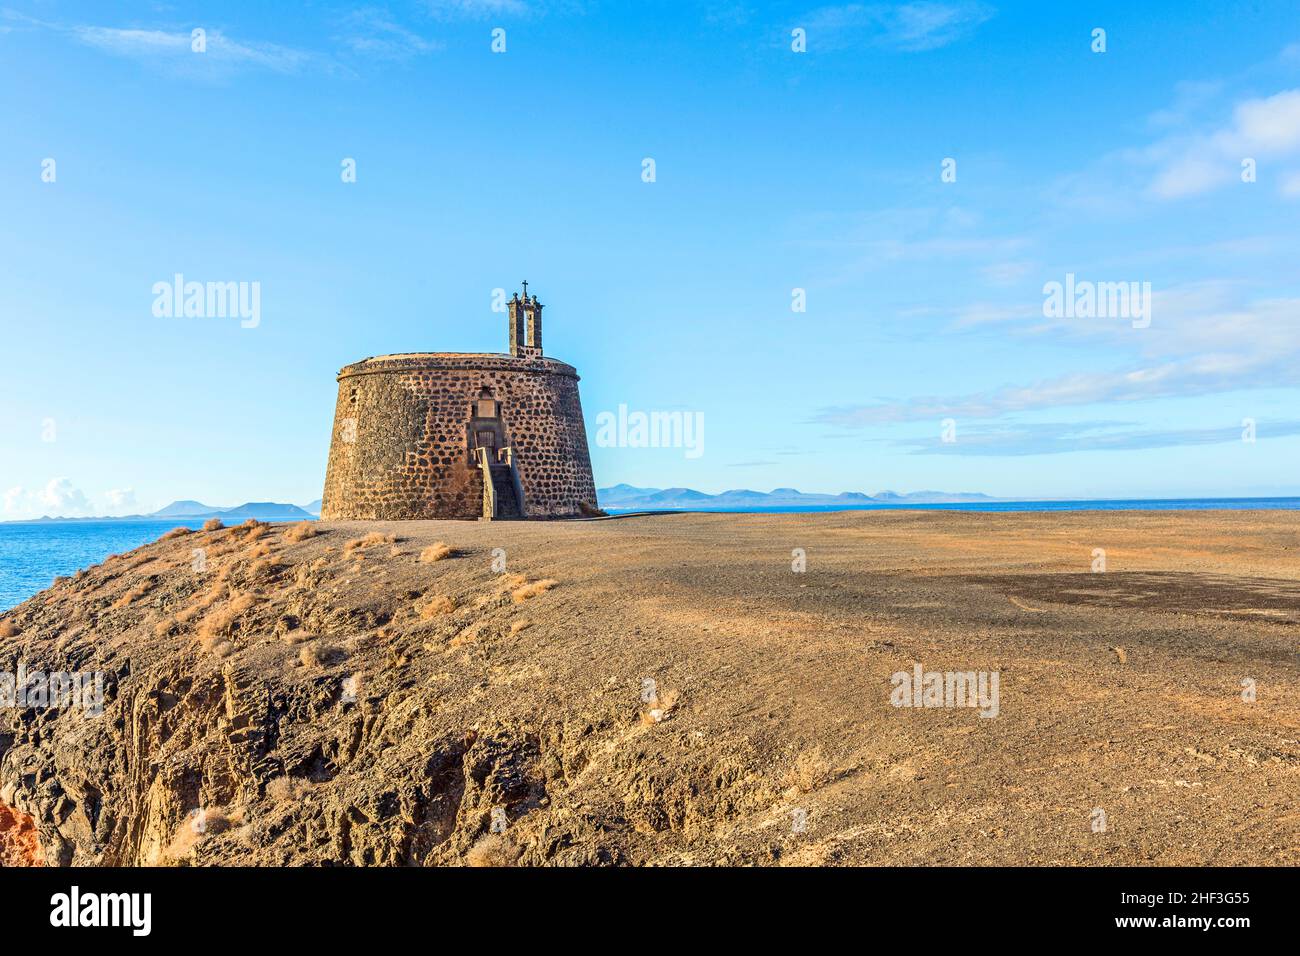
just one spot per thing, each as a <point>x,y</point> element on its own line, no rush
<point>504,487</point>
<point>502,493</point>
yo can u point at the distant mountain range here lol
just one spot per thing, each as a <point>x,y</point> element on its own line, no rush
<point>627,496</point>
<point>190,510</point>
<point>261,510</point>
<point>621,497</point>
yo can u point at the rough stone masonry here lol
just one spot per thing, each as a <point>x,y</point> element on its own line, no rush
<point>417,435</point>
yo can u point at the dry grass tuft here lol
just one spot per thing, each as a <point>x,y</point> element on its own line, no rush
<point>139,591</point>
<point>260,566</point>
<point>217,628</point>
<point>287,789</point>
<point>522,594</point>
<point>434,552</point>
<point>193,829</point>
<point>213,524</point>
<point>518,626</point>
<point>368,540</point>
<point>166,627</point>
<point>176,533</point>
<point>214,594</point>
<point>492,850</point>
<point>8,629</point>
<point>320,655</point>
<point>301,531</point>
<point>437,607</point>
<point>810,771</point>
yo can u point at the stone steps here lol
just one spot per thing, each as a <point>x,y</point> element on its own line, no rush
<point>504,487</point>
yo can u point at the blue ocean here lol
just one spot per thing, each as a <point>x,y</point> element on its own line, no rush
<point>33,554</point>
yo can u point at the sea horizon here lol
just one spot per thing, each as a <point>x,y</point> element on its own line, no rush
<point>36,551</point>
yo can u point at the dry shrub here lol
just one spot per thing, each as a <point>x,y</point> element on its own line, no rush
<point>287,789</point>
<point>434,552</point>
<point>368,540</point>
<point>467,636</point>
<point>492,850</point>
<point>176,533</point>
<point>261,566</point>
<point>518,626</point>
<point>810,771</point>
<point>213,524</point>
<point>8,629</point>
<point>216,629</point>
<point>321,655</point>
<point>193,829</point>
<point>437,607</point>
<point>301,531</point>
<point>166,627</point>
<point>214,594</point>
<point>258,551</point>
<point>297,637</point>
<point>140,590</point>
<point>522,594</point>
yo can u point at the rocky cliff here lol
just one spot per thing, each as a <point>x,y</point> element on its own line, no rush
<point>677,689</point>
<point>293,695</point>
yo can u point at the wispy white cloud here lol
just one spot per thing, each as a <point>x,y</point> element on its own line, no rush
<point>220,49</point>
<point>476,9</point>
<point>1201,342</point>
<point>374,32</point>
<point>911,27</point>
<point>1054,438</point>
<point>1263,129</point>
<point>179,51</point>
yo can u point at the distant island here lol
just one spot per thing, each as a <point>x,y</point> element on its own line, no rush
<point>622,497</point>
<point>189,510</point>
<point>629,497</point>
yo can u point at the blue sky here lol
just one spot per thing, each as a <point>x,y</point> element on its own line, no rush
<point>774,170</point>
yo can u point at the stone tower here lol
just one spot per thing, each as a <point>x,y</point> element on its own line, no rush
<point>525,326</point>
<point>461,435</point>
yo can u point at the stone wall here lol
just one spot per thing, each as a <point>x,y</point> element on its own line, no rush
<point>401,442</point>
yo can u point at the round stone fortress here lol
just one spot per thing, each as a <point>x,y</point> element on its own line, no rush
<point>461,435</point>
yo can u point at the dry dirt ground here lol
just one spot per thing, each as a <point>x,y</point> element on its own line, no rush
<point>678,695</point>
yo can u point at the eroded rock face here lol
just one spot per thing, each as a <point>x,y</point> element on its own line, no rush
<point>293,704</point>
<point>18,846</point>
